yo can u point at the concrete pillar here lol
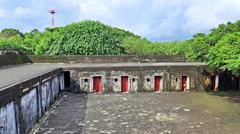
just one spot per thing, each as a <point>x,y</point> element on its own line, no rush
<point>141,80</point>
<point>168,80</point>
<point>107,86</point>
<point>188,83</point>
<point>216,83</point>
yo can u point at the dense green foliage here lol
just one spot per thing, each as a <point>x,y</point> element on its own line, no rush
<point>84,38</point>
<point>225,55</point>
<point>9,32</point>
<point>90,38</point>
<point>220,48</point>
<point>140,46</point>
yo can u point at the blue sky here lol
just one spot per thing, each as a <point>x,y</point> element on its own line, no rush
<point>157,20</point>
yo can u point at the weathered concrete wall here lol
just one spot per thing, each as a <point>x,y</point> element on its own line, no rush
<point>140,79</point>
<point>107,59</point>
<point>8,119</point>
<point>13,57</point>
<point>29,109</point>
<point>194,74</point>
<point>22,107</point>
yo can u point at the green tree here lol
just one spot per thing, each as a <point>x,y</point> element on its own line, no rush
<point>198,47</point>
<point>89,38</point>
<point>9,32</point>
<point>225,55</point>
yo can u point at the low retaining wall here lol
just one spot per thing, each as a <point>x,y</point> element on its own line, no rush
<point>106,59</point>
<point>13,57</point>
<point>23,104</point>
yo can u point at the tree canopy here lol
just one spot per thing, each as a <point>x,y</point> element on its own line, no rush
<point>89,38</point>
<point>10,32</point>
<point>220,48</point>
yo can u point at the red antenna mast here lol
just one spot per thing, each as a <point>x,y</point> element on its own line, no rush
<point>52,12</point>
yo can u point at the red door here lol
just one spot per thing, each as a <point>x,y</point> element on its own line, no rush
<point>184,83</point>
<point>124,83</point>
<point>157,83</point>
<point>97,84</point>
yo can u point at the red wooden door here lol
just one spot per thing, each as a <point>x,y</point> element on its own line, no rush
<point>124,83</point>
<point>184,83</point>
<point>97,84</point>
<point>157,83</point>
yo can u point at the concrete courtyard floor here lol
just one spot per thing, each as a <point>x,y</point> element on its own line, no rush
<point>142,113</point>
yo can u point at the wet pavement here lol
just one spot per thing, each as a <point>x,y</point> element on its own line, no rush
<point>142,113</point>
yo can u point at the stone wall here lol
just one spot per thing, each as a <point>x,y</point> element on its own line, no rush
<point>22,105</point>
<point>13,57</point>
<point>140,79</point>
<point>106,59</point>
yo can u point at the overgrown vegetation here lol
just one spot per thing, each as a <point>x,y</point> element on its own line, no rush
<point>84,38</point>
<point>140,46</point>
<point>220,49</point>
<point>89,38</point>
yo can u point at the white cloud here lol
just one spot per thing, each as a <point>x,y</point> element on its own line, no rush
<point>23,12</point>
<point>161,18</point>
<point>94,10</point>
<point>206,14</point>
<point>2,13</point>
<point>124,2</point>
<point>154,19</point>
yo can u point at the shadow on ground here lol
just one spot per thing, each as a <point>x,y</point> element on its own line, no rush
<point>66,116</point>
<point>232,95</point>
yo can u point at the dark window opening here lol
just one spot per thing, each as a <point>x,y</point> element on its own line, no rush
<point>133,79</point>
<point>115,80</point>
<point>148,79</point>
<point>85,80</point>
<point>67,79</point>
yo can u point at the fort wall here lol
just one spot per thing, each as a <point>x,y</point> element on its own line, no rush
<point>108,59</point>
<point>23,104</point>
<point>139,78</point>
<point>13,57</point>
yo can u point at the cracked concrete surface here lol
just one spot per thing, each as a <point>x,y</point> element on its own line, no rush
<point>142,113</point>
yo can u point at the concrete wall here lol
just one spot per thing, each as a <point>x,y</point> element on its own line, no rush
<point>107,59</point>
<point>140,79</point>
<point>8,119</point>
<point>21,108</point>
<point>13,57</point>
<point>29,109</point>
